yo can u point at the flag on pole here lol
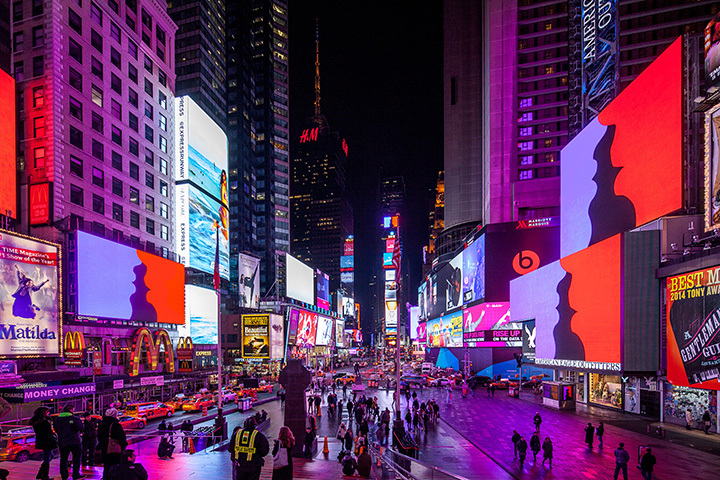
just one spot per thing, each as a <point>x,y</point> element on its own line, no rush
<point>397,256</point>
<point>216,273</point>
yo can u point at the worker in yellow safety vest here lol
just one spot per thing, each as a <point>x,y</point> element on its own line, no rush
<point>247,448</point>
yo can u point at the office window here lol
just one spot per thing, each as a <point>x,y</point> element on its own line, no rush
<point>149,134</point>
<point>98,177</point>
<point>19,71</point>
<point>98,150</point>
<point>76,137</point>
<point>162,122</point>
<point>162,78</point>
<point>75,50</point>
<point>76,195</point>
<point>148,64</point>
<point>526,160</point>
<point>148,110</point>
<point>116,135</point>
<point>75,79</point>
<point>115,32</point>
<point>163,231</point>
<point>39,157</point>
<point>117,212</point>
<point>75,21</point>
<point>117,161</point>
<point>163,210</point>
<point>96,14</point>
<point>18,11</point>
<point>117,187</point>
<point>38,94</point>
<point>525,175</point>
<point>18,42</point>
<point>134,146</point>
<point>38,127</point>
<point>115,58</point>
<point>113,4</point>
<point>38,36</point>
<point>148,87</point>
<point>133,121</point>
<point>76,166</point>
<point>150,226</point>
<point>163,144</point>
<point>97,95</point>
<point>163,188</point>
<point>132,49</point>
<point>97,123</point>
<point>134,219</point>
<point>96,40</point>
<point>162,100</point>
<point>134,171</point>
<point>163,166</point>
<point>38,66</point>
<point>132,73</point>
<point>149,203</point>
<point>149,180</point>
<point>134,194</point>
<point>160,34</point>
<point>149,157</point>
<point>116,109</point>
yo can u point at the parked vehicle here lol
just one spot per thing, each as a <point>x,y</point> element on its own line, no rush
<point>503,384</point>
<point>228,395</point>
<point>149,410</point>
<point>344,379</point>
<point>177,401</point>
<point>437,382</point>
<point>198,402</point>
<point>18,446</point>
<point>427,368</point>
<point>132,423</point>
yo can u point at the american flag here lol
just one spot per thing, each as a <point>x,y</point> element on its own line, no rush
<point>396,257</point>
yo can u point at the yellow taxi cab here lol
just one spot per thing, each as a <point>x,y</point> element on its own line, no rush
<point>199,401</point>
<point>149,410</point>
<point>18,446</point>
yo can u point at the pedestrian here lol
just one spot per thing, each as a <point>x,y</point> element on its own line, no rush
<point>311,402</point>
<point>165,449</point>
<point>589,433</point>
<point>45,439</point>
<point>170,433</point>
<point>348,440</point>
<point>344,390</point>
<point>340,408</point>
<point>547,448</point>
<point>492,389</point>
<point>187,429</point>
<point>247,449</point>
<point>436,411</point>
<point>537,420</point>
<point>473,387</point>
<point>688,419</point>
<point>706,422</point>
<point>647,462</point>
<point>515,438</point>
<point>380,433</point>
<point>408,419</point>
<point>364,463</point>
<point>312,424</point>
<point>282,456</point>
<point>622,457</point>
<point>318,401</point>
<point>68,427</point>
<point>350,406</point>
<point>522,450</point>
<point>112,440</point>
<point>308,442</point>
<point>535,445</point>
<point>162,429</point>
<point>600,431</point>
<point>89,440</point>
<point>127,469</point>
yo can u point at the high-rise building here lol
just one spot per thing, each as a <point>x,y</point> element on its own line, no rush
<point>200,60</point>
<point>436,222</point>
<point>321,215</point>
<point>95,96</point>
<point>5,42</point>
<point>258,132</point>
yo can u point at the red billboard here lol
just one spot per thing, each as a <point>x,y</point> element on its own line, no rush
<point>40,203</point>
<point>8,183</point>
<point>307,329</point>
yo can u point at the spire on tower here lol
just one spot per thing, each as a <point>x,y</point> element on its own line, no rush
<point>318,114</point>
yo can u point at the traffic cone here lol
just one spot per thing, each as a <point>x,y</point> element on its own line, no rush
<point>326,450</point>
<point>191,445</point>
<point>381,454</point>
<point>319,411</point>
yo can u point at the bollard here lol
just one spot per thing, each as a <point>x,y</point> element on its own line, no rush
<point>326,450</point>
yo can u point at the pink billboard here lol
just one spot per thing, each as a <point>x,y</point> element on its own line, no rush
<point>307,329</point>
<point>488,325</point>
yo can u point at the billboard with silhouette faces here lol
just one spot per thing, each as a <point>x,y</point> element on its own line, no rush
<point>119,282</point>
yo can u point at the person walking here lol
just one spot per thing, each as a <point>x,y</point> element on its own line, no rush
<point>522,450</point>
<point>589,433</point>
<point>308,442</point>
<point>448,399</point>
<point>600,431</point>
<point>45,439</point>
<point>547,448</point>
<point>112,440</point>
<point>345,390</point>
<point>688,419</point>
<point>706,422</point>
<point>647,462</point>
<point>89,440</point>
<point>311,402</point>
<point>340,408</point>
<point>282,456</point>
<point>535,445</point>
<point>127,469</point>
<point>380,433</point>
<point>247,449</point>
<point>349,440</point>
<point>68,427</point>
<point>492,389</point>
<point>515,438</point>
<point>537,420</point>
<point>622,457</point>
<point>350,406</point>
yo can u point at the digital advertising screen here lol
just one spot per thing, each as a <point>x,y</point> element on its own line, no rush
<point>422,332</point>
<point>347,261</point>
<point>348,307</point>
<point>323,290</point>
<point>142,287</point>
<point>256,336</point>
<point>277,337</point>
<point>249,280</point>
<point>473,268</point>
<point>307,329</point>
<point>488,325</point>
<point>293,319</point>
<point>339,333</point>
<point>30,280</point>
<point>712,52</point>
<point>712,169</point>
<point>324,334</point>
<point>387,260</point>
<point>391,314</point>
<point>391,290</point>
<point>414,322</point>
<point>454,283</point>
<point>693,329</point>
<point>446,331</point>
<point>8,156</point>
<point>300,280</point>
<point>201,318</point>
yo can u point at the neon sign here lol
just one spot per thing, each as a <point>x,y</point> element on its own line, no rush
<point>310,135</point>
<point>345,147</point>
<point>152,347</point>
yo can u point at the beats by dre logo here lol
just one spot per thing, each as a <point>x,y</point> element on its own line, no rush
<point>525,262</point>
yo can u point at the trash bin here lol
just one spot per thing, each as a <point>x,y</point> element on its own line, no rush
<point>514,392</point>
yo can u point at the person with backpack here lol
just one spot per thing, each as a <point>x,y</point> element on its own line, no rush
<point>282,455</point>
<point>68,427</point>
<point>647,463</point>
<point>348,464</point>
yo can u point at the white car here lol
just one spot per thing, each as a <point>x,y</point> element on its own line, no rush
<point>228,395</point>
<point>438,382</point>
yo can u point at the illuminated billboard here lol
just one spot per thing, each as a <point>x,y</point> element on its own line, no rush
<point>249,280</point>
<point>339,333</point>
<point>255,334</point>
<point>143,287</point>
<point>414,322</point>
<point>347,261</point>
<point>8,156</point>
<point>323,289</point>
<point>277,336</point>
<point>473,268</point>
<point>453,283</point>
<point>488,325</point>
<point>40,206</point>
<point>712,169</point>
<point>712,52</point>
<point>201,316</point>
<point>29,297</point>
<point>324,335</point>
<point>391,314</point>
<point>300,280</point>
<point>387,260</point>
<point>693,328</point>
<point>307,328</point>
<point>422,332</point>
<point>624,169</point>
<point>446,331</point>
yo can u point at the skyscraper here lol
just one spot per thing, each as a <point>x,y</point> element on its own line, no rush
<point>95,96</point>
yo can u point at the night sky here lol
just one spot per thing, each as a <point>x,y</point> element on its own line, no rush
<point>381,88</point>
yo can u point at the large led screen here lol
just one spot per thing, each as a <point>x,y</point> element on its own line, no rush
<point>249,280</point>
<point>693,329</point>
<point>339,333</point>
<point>489,325</point>
<point>307,329</point>
<point>454,283</point>
<point>29,297</point>
<point>324,333</point>
<point>422,332</point>
<point>624,169</point>
<point>473,269</point>
<point>201,315</point>
<point>277,336</point>
<point>414,322</point>
<point>141,287</point>
<point>198,218</point>
<point>256,336</point>
<point>8,157</point>
<point>712,169</point>
<point>391,315</point>
<point>300,281</point>
<point>446,331</point>
<point>323,290</point>
<point>348,307</point>
<point>712,52</point>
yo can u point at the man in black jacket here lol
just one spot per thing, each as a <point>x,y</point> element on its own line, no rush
<point>127,469</point>
<point>247,448</point>
<point>68,427</point>
<point>89,440</point>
